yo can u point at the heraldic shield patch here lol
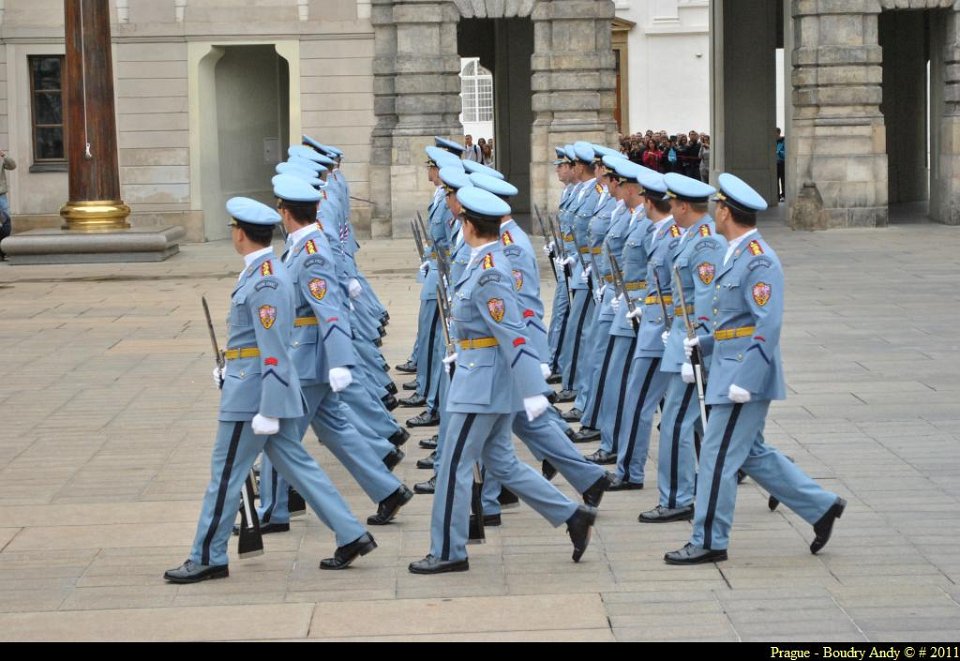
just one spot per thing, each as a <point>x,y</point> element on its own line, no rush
<point>761,293</point>
<point>517,280</point>
<point>318,288</point>
<point>706,271</point>
<point>496,308</point>
<point>268,315</point>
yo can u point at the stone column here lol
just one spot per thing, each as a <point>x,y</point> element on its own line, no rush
<point>417,96</point>
<point>574,84</point>
<point>948,181</point>
<point>838,141</point>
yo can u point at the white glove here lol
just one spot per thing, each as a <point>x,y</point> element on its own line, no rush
<point>339,378</point>
<point>264,426</point>
<point>689,343</point>
<point>550,249</point>
<point>615,303</point>
<point>665,337</point>
<point>545,370</point>
<point>567,261</point>
<point>218,377</point>
<point>600,292</point>
<point>448,361</point>
<point>636,314</point>
<point>585,276</point>
<point>686,373</point>
<point>354,288</point>
<point>738,395</point>
<point>535,406</point>
<point>425,267</point>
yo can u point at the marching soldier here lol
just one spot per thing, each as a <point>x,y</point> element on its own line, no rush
<point>560,312</point>
<point>746,375</point>
<point>496,373</point>
<point>260,406</point>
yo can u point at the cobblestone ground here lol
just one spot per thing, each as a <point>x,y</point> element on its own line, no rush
<point>108,416</point>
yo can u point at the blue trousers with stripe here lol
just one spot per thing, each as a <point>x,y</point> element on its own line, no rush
<point>646,386</point>
<point>328,417</point>
<point>734,440</point>
<point>615,393</point>
<point>559,316</point>
<point>677,463</point>
<point>427,329</point>
<point>599,364</point>
<point>484,436</point>
<point>234,452</point>
<point>572,352</point>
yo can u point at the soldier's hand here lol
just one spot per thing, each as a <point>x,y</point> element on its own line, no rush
<point>636,314</point>
<point>616,303</point>
<point>686,373</point>
<point>424,268</point>
<point>448,361</point>
<point>585,276</point>
<point>535,406</point>
<point>264,426</point>
<point>550,249</point>
<point>665,336</point>
<point>545,370</point>
<point>354,288</point>
<point>340,378</point>
<point>218,377</point>
<point>738,395</point>
<point>689,343</point>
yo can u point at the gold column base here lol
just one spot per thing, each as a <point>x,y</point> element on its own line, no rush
<point>96,216</point>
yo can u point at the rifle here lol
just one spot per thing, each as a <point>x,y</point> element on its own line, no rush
<point>251,541</point>
<point>621,288</point>
<point>558,242</point>
<point>418,240</point>
<point>583,264</point>
<point>696,358</point>
<point>546,241</point>
<point>667,321</point>
<point>477,534</point>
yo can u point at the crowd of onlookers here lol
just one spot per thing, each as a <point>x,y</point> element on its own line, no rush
<point>687,154</point>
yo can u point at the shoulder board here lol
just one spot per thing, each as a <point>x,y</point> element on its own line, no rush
<point>488,277</point>
<point>705,230</point>
<point>310,247</point>
<point>599,188</point>
<point>320,225</point>
<point>675,232</point>
<point>487,261</point>
<point>266,268</point>
<point>755,248</point>
<point>324,194</point>
<point>506,239</point>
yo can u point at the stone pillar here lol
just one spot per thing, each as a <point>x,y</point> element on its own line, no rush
<point>574,84</point>
<point>947,181</point>
<point>417,96</point>
<point>838,140</point>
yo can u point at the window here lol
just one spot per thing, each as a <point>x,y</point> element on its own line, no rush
<point>46,72</point>
<point>476,92</point>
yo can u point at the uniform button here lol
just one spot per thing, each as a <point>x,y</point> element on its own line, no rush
<point>716,311</point>
<point>242,374</point>
<point>296,344</point>
<point>715,324</point>
<point>471,365</point>
<point>740,357</point>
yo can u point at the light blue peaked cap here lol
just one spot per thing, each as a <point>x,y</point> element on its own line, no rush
<point>291,188</point>
<point>472,167</point>
<point>687,189</point>
<point>737,193</point>
<point>250,211</point>
<point>455,178</point>
<point>482,203</point>
<point>498,187</point>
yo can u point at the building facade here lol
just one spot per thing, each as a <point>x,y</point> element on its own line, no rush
<point>210,93</point>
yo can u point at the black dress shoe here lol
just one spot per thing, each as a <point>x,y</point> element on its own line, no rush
<point>586,434</point>
<point>344,555</point>
<point>549,470</point>
<point>394,458</point>
<point>391,388</point>
<point>492,520</point>
<point>390,402</point>
<point>191,572</point>
<point>382,330</point>
<point>507,498</point>
<point>267,528</point>
<point>601,458</point>
<point>554,379</point>
<point>413,401</point>
<point>694,555</point>
<point>408,367</point>
<point>389,506</point>
<point>425,419</point>
<point>565,396</point>
<point>661,514</point>
<point>429,443</point>
<point>570,434</point>
<point>573,415</point>
<point>426,488</point>
<point>386,368</point>
<point>433,565</point>
<point>427,462</point>
<point>773,503</point>
<point>378,342</point>
<point>594,494</point>
<point>824,527</point>
<point>399,437</point>
<point>552,397</point>
<point>620,485</point>
<point>579,526</point>
<point>410,385</point>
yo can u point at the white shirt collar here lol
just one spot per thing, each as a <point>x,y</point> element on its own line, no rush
<point>474,252</point>
<point>736,243</point>
<point>301,234</point>
<point>250,258</point>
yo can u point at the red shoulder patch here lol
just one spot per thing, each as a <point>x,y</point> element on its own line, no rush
<point>675,232</point>
<point>487,261</point>
<point>755,248</point>
<point>310,247</point>
<point>266,268</point>
<point>506,239</point>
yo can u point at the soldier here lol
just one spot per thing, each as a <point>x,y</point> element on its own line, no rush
<point>561,303</point>
<point>260,406</point>
<point>746,374</point>
<point>496,373</point>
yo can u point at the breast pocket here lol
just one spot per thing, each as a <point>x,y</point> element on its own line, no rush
<point>473,379</point>
<point>241,386</point>
<point>303,351</point>
<point>730,297</point>
<point>239,314</point>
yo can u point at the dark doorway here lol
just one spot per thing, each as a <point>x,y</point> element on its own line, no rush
<point>505,47</point>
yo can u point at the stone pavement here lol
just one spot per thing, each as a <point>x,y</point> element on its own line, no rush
<point>108,416</point>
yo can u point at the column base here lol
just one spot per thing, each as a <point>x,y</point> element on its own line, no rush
<point>95,216</point>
